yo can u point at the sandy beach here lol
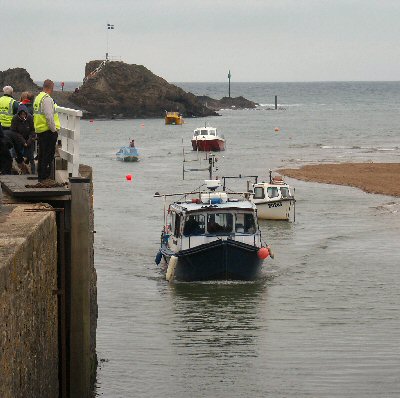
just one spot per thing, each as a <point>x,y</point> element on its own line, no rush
<point>379,178</point>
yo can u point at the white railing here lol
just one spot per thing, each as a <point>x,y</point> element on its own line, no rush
<point>70,136</point>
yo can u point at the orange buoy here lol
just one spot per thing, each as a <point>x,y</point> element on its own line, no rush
<point>263,253</point>
<point>277,129</point>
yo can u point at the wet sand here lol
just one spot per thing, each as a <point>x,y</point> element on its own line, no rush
<point>379,178</point>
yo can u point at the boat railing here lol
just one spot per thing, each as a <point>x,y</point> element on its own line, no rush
<point>69,135</point>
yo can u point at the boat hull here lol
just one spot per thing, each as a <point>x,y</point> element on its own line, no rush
<point>128,158</point>
<point>217,260</point>
<point>208,145</point>
<point>128,154</point>
<point>274,210</point>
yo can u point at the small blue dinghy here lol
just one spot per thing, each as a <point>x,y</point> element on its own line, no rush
<point>128,153</point>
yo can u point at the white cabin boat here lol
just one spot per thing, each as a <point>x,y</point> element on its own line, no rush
<point>274,199</point>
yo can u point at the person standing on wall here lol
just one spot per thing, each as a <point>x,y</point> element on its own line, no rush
<point>8,107</point>
<point>47,124</point>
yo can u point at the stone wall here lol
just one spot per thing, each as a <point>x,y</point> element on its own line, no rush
<point>86,172</point>
<point>28,303</point>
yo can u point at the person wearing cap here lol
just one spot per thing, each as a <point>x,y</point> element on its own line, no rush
<point>47,124</point>
<point>8,107</point>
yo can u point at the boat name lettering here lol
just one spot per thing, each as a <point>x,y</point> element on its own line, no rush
<point>277,204</point>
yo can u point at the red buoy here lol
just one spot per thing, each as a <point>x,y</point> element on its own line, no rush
<point>128,177</point>
<point>263,253</point>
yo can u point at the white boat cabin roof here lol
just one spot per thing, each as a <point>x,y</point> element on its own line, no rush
<point>205,131</point>
<point>232,204</point>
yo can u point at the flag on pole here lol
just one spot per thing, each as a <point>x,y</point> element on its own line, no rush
<point>109,26</point>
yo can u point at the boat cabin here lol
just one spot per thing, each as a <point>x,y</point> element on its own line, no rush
<point>205,131</point>
<point>204,220</point>
<point>267,191</point>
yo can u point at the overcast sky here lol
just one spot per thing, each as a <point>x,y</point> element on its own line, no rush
<point>200,40</point>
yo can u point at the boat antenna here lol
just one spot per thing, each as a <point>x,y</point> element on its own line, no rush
<point>270,176</point>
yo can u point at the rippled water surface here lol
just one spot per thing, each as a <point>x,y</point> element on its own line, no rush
<point>323,321</point>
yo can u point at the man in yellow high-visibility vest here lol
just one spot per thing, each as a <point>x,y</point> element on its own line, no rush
<point>47,124</point>
<point>8,107</point>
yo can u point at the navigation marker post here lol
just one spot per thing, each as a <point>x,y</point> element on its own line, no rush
<point>229,77</point>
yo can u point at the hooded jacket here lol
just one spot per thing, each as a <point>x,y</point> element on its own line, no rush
<point>29,105</point>
<point>23,126</point>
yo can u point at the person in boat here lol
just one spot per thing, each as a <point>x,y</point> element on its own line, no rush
<point>213,227</point>
<point>132,144</point>
<point>192,227</point>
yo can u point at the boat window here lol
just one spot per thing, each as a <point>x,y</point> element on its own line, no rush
<point>196,132</point>
<point>272,192</point>
<point>245,223</point>
<point>259,193</point>
<point>177,225</point>
<point>194,225</point>
<point>285,192</point>
<point>219,223</point>
<point>204,132</point>
<point>212,132</point>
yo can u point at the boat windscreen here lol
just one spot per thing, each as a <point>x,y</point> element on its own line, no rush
<point>285,192</point>
<point>194,225</point>
<point>272,192</point>
<point>219,223</point>
<point>245,224</point>
<point>258,193</point>
<point>204,132</point>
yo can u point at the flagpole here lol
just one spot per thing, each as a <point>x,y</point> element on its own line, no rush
<point>107,41</point>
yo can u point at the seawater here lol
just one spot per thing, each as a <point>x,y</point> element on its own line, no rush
<point>323,321</point>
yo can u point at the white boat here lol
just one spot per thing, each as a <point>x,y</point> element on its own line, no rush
<point>209,235</point>
<point>274,199</point>
<point>208,139</point>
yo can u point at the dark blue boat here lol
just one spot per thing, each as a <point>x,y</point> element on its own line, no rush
<point>211,237</point>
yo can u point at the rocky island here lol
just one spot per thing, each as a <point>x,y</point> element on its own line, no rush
<point>114,89</point>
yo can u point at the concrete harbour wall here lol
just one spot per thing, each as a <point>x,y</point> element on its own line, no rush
<point>28,302</point>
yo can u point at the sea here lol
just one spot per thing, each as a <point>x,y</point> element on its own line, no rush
<point>323,320</point>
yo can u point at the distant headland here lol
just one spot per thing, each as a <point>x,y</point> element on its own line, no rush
<point>114,89</point>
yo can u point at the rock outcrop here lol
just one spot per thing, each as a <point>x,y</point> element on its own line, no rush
<point>227,103</point>
<point>117,89</point>
<point>19,79</point>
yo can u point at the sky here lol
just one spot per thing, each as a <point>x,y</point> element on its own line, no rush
<point>201,40</point>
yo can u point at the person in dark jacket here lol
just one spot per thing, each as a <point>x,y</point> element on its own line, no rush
<point>27,99</point>
<point>22,123</point>
<point>5,156</point>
